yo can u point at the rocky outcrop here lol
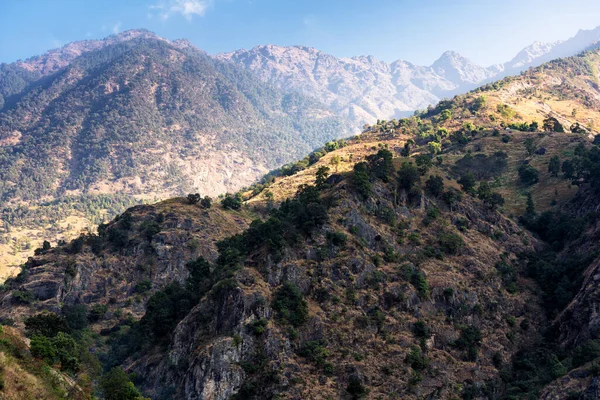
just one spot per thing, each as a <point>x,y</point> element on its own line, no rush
<point>213,351</point>
<point>96,270</point>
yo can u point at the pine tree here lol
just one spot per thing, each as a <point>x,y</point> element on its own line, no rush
<point>321,177</point>
<point>554,166</point>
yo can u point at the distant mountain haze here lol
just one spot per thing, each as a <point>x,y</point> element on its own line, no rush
<point>364,89</point>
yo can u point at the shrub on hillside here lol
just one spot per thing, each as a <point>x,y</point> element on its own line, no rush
<point>76,316</point>
<point>46,324</point>
<point>434,186</point>
<point>408,175</point>
<point>362,180</point>
<point>381,165</point>
<point>232,202</point>
<point>450,243</point>
<point>528,175</point>
<point>481,166</point>
<point>193,198</point>
<point>116,385</point>
<point>290,305</point>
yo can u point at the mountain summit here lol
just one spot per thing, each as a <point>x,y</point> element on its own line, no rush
<point>459,70</point>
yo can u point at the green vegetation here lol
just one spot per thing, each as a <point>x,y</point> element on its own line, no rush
<point>528,175</point>
<point>377,166</point>
<point>450,243</point>
<point>551,124</point>
<point>232,202</point>
<point>416,359</point>
<point>316,352</point>
<point>490,198</point>
<point>290,305</point>
<point>524,126</point>
<point>117,385</point>
<point>355,388</point>
<point>381,166</point>
<point>482,167</point>
<point>408,176</point>
<point>554,166</point>
<point>530,146</point>
<point>434,186</point>
<point>193,198</point>
<point>258,327</point>
<point>361,180</point>
<point>478,104</point>
<point>506,111</point>
<point>321,177</point>
<point>97,312</point>
<point>467,182</point>
<point>470,341</point>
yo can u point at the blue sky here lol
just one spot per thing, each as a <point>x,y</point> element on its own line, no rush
<point>486,31</point>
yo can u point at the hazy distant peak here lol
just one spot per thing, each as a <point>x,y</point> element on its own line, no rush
<point>453,58</point>
<point>456,68</point>
<point>530,53</point>
<point>134,34</point>
<point>58,58</point>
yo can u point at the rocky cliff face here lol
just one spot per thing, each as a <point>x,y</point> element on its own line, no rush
<point>580,322</point>
<point>148,243</point>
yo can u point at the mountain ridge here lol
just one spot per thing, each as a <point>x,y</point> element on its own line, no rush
<point>364,89</point>
<point>388,90</point>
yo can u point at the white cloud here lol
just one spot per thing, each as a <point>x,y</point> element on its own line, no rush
<point>116,28</point>
<point>187,8</point>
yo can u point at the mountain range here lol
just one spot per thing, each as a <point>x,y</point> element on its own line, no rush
<point>364,89</point>
<point>453,254</point>
<point>98,125</point>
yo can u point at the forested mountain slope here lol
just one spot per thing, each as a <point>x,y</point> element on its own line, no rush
<point>103,125</point>
<point>448,255</point>
<point>99,125</point>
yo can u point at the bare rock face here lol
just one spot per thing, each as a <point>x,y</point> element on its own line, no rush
<point>579,381</point>
<point>215,354</point>
<point>217,377</point>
